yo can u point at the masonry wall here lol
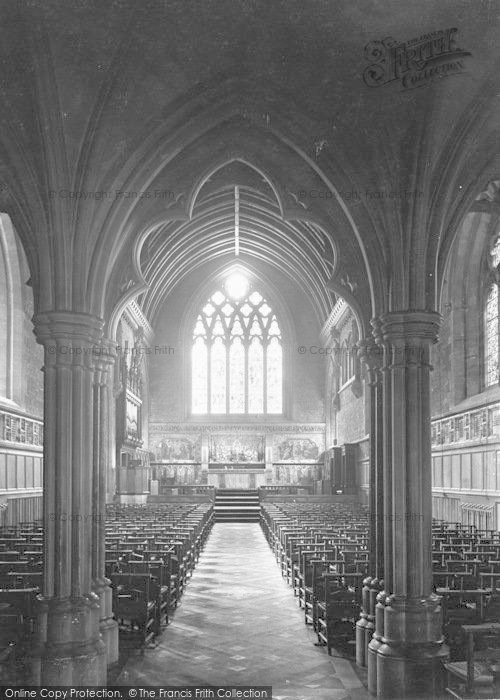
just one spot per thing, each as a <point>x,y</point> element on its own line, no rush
<point>465,412</point>
<point>21,410</point>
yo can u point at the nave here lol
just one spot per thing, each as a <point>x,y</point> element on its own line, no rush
<point>239,624</point>
<point>240,250</point>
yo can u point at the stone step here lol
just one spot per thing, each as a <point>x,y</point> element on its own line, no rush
<point>237,505</point>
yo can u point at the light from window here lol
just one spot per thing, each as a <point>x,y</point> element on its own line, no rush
<point>237,285</point>
<point>491,318</point>
<point>274,375</point>
<point>347,367</point>
<point>237,375</point>
<point>199,358</point>
<point>491,335</point>
<point>495,253</point>
<point>237,358</point>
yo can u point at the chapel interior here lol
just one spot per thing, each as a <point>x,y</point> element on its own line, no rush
<point>249,346</point>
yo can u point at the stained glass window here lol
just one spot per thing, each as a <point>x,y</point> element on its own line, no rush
<point>346,361</point>
<point>237,376</point>
<point>274,376</point>
<point>200,375</point>
<point>218,376</point>
<point>491,321</point>
<point>255,376</point>
<point>491,339</point>
<point>237,357</point>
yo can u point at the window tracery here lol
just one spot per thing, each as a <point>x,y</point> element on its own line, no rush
<point>236,355</point>
<point>491,318</point>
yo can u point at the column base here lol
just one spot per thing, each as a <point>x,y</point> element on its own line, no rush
<point>109,633</point>
<point>108,627</point>
<point>69,649</point>
<point>371,663</point>
<point>369,630</point>
<point>410,658</point>
<point>411,671</point>
<point>360,640</point>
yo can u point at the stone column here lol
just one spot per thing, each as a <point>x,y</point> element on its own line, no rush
<point>103,446</point>
<point>384,451</point>
<point>371,354</point>
<point>70,650</point>
<point>409,661</point>
<point>110,411</point>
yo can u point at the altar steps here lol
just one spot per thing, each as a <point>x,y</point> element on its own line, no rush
<point>237,505</point>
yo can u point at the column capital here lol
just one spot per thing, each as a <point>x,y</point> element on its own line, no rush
<point>412,327</point>
<point>105,354</point>
<point>370,352</point>
<point>71,326</point>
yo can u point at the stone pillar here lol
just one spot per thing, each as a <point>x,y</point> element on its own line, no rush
<point>103,436</point>
<point>371,354</point>
<point>409,660</point>
<point>362,623</point>
<point>385,452</point>
<point>376,640</point>
<point>382,455</point>
<point>110,418</point>
<point>70,650</point>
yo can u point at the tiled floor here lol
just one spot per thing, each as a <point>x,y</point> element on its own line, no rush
<point>239,624</point>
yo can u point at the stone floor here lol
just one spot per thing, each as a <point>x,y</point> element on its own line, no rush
<point>239,624</point>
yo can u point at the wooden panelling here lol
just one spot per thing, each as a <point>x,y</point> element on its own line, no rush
<point>456,478</point>
<point>490,470</point>
<point>437,471</point>
<point>447,471</point>
<point>21,510</point>
<point>20,471</point>
<point>37,469</point>
<point>472,475</point>
<point>466,471</point>
<point>477,470</point>
<point>3,471</point>
<point>446,509</point>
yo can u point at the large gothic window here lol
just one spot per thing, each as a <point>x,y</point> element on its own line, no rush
<point>237,360</point>
<point>491,319</point>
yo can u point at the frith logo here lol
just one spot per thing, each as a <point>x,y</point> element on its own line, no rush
<point>416,62</point>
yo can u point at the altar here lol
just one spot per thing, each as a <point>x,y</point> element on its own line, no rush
<point>236,477</point>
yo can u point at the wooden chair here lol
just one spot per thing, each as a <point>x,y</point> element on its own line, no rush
<point>135,604</point>
<point>477,676</point>
<point>315,595</point>
<point>337,614</point>
<point>17,614</point>
<point>161,580</point>
<point>305,573</point>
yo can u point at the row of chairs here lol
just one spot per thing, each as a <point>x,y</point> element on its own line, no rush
<point>322,552</point>
<point>21,572</point>
<point>466,574</point>
<point>151,552</point>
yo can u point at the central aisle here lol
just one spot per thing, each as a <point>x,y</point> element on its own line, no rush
<point>239,624</point>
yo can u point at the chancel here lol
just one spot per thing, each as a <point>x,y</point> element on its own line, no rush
<point>250,347</point>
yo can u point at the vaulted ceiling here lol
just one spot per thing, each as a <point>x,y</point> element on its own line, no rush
<point>236,197</point>
<point>354,174</point>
